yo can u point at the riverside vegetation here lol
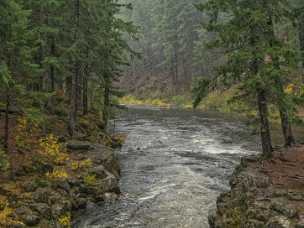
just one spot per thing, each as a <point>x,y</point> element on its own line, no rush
<point>58,61</point>
<point>60,68</point>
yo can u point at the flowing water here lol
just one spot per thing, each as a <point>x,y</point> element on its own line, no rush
<point>174,165</point>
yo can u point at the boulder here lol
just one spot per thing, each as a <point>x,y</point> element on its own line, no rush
<point>284,210</point>
<point>278,222</point>
<point>27,216</point>
<point>42,208</point>
<point>79,145</point>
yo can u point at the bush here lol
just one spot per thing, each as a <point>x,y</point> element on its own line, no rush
<point>57,174</point>
<point>51,150</point>
<point>4,163</point>
<point>90,180</point>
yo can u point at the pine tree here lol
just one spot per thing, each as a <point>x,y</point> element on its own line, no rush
<point>14,53</point>
<point>255,55</point>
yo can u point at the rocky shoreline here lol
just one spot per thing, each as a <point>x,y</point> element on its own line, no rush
<point>56,203</point>
<point>264,193</point>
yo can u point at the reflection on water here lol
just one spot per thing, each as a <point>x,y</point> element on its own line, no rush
<point>174,165</point>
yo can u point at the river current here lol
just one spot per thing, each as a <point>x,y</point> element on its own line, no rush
<point>174,165</point>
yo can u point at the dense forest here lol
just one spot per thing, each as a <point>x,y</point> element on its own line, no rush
<point>252,48</point>
<point>59,60</point>
<point>65,64</point>
<point>69,49</point>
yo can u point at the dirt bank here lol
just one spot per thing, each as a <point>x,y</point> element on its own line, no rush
<point>264,193</point>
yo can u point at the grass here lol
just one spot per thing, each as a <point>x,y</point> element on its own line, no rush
<point>132,100</point>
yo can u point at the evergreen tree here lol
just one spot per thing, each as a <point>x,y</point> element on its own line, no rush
<point>245,30</point>
<point>14,53</point>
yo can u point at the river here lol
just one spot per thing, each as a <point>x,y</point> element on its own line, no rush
<point>174,165</point>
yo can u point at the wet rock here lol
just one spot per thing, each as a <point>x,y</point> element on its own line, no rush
<point>90,206</point>
<point>284,210</point>
<point>211,218</point>
<point>79,145</point>
<point>278,222</point>
<point>27,216</point>
<point>30,186</point>
<point>31,219</point>
<point>79,203</point>
<point>41,195</point>
<point>295,196</point>
<point>64,185</point>
<point>61,208</point>
<point>252,223</point>
<point>99,172</point>
<point>110,197</point>
<point>299,225</point>
<point>42,208</point>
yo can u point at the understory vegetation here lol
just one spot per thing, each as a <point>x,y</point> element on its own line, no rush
<point>58,63</point>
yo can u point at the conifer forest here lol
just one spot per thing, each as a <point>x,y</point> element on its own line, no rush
<point>152,113</point>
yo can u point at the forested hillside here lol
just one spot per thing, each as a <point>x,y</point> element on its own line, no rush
<point>58,62</point>
<point>172,48</point>
<point>69,50</point>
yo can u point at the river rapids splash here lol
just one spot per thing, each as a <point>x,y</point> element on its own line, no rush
<point>174,165</point>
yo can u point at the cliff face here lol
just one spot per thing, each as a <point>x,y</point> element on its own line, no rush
<point>264,193</point>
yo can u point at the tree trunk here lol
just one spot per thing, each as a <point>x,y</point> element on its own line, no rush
<point>6,124</point>
<point>265,129</point>
<point>301,36</point>
<point>75,77</point>
<point>85,89</point>
<point>284,114</point>
<point>286,128</point>
<point>52,68</point>
<point>85,96</point>
<point>105,114</point>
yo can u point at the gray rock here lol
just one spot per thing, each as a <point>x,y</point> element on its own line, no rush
<point>79,145</point>
<point>211,218</point>
<point>91,206</point>
<point>27,215</point>
<point>296,196</point>
<point>42,208</point>
<point>284,210</point>
<point>31,219</point>
<point>278,222</point>
<point>41,195</point>
<point>110,197</point>
<point>299,225</point>
<point>100,172</point>
<point>30,186</point>
<point>252,223</point>
<point>58,209</point>
<point>63,185</point>
<point>79,203</point>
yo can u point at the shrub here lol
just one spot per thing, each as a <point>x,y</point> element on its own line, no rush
<point>65,220</point>
<point>26,133</point>
<point>84,164</point>
<point>57,174</point>
<point>4,163</point>
<point>6,213</point>
<point>51,150</point>
<point>90,179</point>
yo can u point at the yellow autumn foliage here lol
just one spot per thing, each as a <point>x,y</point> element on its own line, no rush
<point>65,221</point>
<point>90,180</point>
<point>84,164</point>
<point>57,174</point>
<point>51,149</point>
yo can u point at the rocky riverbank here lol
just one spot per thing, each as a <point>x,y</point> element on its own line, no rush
<point>36,202</point>
<point>264,193</point>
